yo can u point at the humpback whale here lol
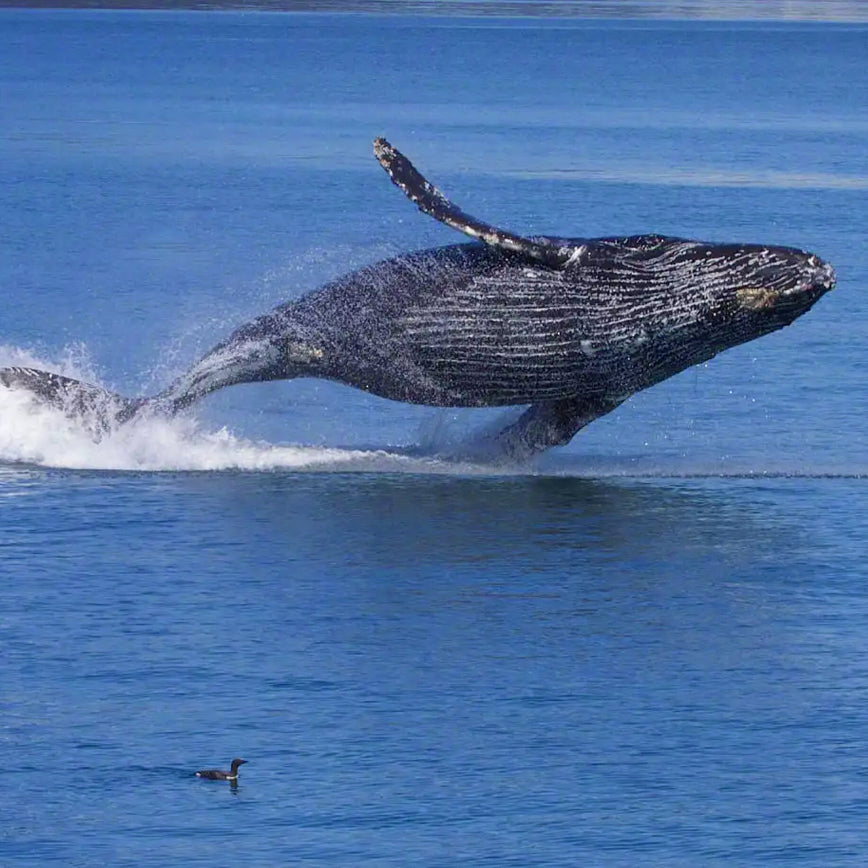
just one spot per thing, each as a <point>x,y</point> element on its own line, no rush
<point>571,327</point>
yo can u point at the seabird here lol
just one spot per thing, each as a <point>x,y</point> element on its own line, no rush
<point>220,775</point>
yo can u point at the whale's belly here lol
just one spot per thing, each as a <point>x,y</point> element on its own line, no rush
<point>509,336</point>
<point>470,326</point>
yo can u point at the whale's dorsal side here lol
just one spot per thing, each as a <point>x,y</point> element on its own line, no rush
<point>432,202</point>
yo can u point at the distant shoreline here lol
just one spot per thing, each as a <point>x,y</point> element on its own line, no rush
<point>842,11</point>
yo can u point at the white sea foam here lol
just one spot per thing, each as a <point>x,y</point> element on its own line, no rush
<point>34,433</point>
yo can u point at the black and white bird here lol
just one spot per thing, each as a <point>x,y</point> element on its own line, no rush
<point>220,775</point>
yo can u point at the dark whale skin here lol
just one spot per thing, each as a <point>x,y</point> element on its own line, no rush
<point>471,326</point>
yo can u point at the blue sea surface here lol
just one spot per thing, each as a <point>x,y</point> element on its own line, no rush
<point>649,648</point>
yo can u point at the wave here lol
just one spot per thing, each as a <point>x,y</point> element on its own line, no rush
<point>765,179</point>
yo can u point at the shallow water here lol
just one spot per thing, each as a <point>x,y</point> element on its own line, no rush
<point>647,648</point>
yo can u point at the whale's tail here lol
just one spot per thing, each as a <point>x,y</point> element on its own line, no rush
<point>252,353</point>
<point>95,408</point>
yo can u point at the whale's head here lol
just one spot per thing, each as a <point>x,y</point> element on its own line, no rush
<point>746,291</point>
<point>758,288</point>
<point>779,284</point>
<point>683,302</point>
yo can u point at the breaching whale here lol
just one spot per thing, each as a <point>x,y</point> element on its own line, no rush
<point>571,327</point>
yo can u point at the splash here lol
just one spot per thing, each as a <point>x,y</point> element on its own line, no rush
<point>34,433</point>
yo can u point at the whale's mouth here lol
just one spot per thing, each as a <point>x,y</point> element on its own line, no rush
<point>813,281</point>
<point>818,279</point>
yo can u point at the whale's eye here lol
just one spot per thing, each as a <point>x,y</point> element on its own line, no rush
<point>757,298</point>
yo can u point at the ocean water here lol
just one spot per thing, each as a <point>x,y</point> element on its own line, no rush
<point>647,648</point>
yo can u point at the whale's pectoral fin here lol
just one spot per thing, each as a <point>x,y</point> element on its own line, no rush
<point>544,425</point>
<point>96,409</point>
<point>432,202</point>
